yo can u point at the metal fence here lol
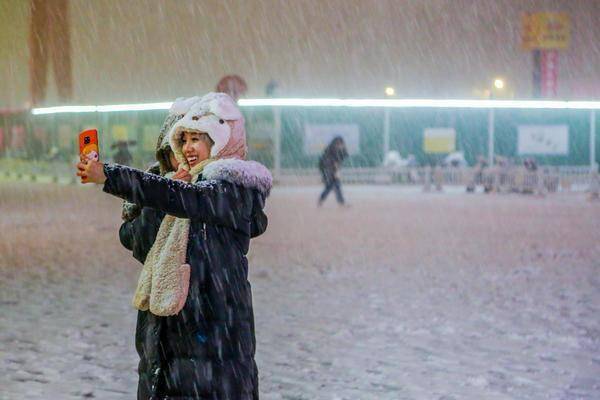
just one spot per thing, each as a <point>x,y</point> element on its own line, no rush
<point>494,179</point>
<point>497,179</point>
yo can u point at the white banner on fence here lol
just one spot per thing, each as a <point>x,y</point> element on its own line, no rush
<point>317,137</point>
<point>543,139</point>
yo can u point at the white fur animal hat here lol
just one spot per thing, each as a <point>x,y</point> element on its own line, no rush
<point>218,116</point>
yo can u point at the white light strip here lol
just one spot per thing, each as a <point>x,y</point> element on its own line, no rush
<point>422,103</point>
<point>63,109</point>
<point>107,108</point>
<point>135,107</point>
<point>382,103</point>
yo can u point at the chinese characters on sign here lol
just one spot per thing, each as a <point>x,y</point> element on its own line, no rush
<point>543,139</point>
<point>549,73</point>
<point>544,34</point>
<point>546,31</point>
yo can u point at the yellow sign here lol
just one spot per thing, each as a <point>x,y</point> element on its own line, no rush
<point>439,140</point>
<point>119,132</point>
<point>544,31</point>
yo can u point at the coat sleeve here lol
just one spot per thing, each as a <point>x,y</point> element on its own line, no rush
<point>139,235</point>
<point>126,235</point>
<point>215,202</point>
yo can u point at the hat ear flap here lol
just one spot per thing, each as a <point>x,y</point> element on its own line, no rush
<point>222,105</point>
<point>182,105</point>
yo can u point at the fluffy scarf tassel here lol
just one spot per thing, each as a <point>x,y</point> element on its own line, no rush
<point>165,279</point>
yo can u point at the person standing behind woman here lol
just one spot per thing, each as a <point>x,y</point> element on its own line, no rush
<point>329,165</point>
<point>140,225</point>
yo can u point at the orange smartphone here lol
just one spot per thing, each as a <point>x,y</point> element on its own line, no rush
<point>88,146</point>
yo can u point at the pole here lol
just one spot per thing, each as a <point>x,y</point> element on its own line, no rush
<point>386,132</point>
<point>537,74</point>
<point>277,142</point>
<point>491,137</point>
<point>592,138</point>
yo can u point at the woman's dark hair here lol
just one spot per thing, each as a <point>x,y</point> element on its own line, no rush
<point>337,148</point>
<point>337,140</point>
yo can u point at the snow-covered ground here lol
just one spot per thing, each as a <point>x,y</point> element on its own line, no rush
<point>404,295</point>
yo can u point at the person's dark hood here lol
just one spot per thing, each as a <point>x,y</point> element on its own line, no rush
<point>162,146</point>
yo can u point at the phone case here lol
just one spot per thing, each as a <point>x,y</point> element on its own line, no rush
<point>88,144</point>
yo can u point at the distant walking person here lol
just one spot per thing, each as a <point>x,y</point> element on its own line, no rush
<point>122,156</point>
<point>329,165</point>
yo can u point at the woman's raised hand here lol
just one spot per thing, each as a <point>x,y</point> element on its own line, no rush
<point>91,171</point>
<point>182,175</point>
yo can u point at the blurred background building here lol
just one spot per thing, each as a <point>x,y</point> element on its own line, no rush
<point>77,52</point>
<point>144,51</point>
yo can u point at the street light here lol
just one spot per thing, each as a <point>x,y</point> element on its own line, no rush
<point>499,83</point>
<point>390,91</point>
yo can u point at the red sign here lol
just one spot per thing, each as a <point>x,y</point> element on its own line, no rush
<point>233,85</point>
<point>18,137</point>
<point>549,73</point>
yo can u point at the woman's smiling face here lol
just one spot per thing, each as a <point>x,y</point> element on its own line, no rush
<point>196,147</point>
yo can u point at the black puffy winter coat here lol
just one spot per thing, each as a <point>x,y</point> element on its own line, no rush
<point>139,235</point>
<point>207,350</point>
<point>139,230</point>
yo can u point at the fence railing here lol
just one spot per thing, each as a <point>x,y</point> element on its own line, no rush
<point>496,178</point>
<point>513,178</point>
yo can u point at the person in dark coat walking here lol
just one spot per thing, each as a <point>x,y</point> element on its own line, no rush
<point>122,155</point>
<point>329,165</point>
<point>203,347</point>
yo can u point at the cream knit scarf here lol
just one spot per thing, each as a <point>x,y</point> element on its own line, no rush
<point>165,279</point>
